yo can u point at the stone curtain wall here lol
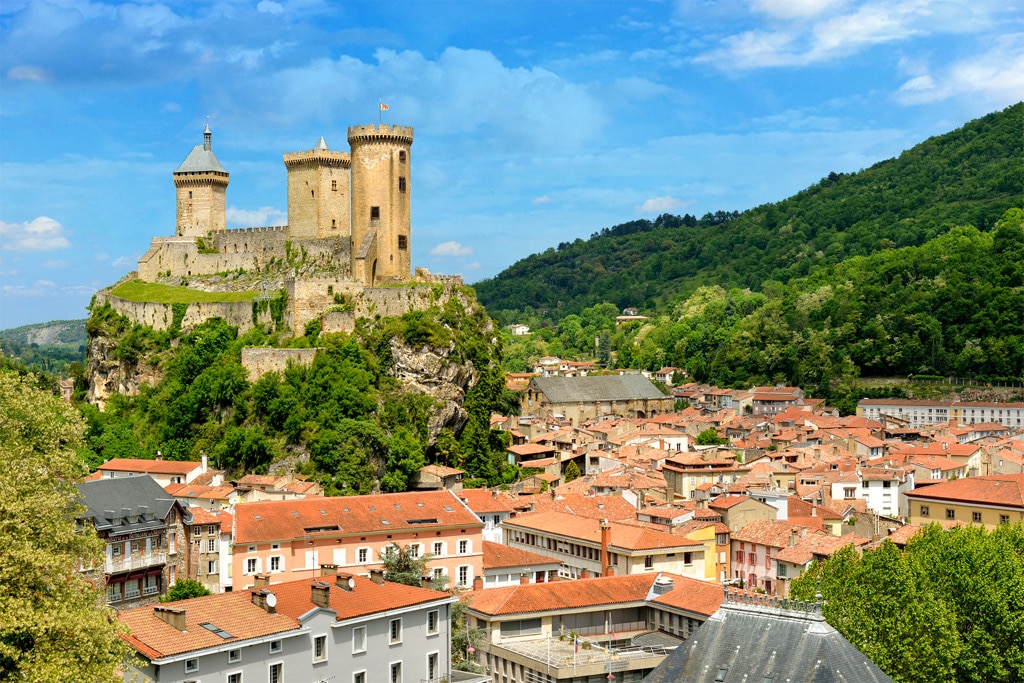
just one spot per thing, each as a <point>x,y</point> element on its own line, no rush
<point>258,362</point>
<point>160,316</point>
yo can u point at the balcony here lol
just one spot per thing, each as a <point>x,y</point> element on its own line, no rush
<point>125,564</point>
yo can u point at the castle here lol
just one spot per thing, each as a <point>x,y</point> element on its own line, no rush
<point>345,252</point>
<point>349,210</point>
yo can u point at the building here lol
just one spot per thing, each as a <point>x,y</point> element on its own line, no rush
<point>144,530</point>
<point>989,500</point>
<point>920,413</point>
<point>774,400</point>
<point>766,640</point>
<point>209,538</point>
<point>803,549</point>
<point>290,539</point>
<point>685,472</point>
<point>585,398</point>
<point>164,472</point>
<point>327,628</point>
<point>584,630</point>
<point>508,566</point>
<point>593,547</point>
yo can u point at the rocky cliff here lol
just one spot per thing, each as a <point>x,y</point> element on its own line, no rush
<point>434,373</point>
<point>109,374</point>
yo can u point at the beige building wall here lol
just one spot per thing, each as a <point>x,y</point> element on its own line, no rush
<point>924,512</point>
<point>201,203</point>
<point>319,187</point>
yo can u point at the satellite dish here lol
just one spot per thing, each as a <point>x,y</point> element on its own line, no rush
<point>351,583</point>
<point>271,600</point>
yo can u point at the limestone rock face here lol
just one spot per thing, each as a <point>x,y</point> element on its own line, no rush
<point>433,372</point>
<point>108,375</point>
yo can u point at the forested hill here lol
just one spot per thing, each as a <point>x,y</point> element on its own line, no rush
<point>967,177</point>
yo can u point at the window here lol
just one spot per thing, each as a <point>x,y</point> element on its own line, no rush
<point>197,530</point>
<point>114,592</point>
<point>275,564</point>
<point>359,677</point>
<point>234,656</point>
<point>438,573</point>
<point>720,676</point>
<point>251,565</point>
<point>886,484</point>
<point>753,558</point>
<point>396,672</point>
<point>864,484</point>
<point>463,547</point>
<point>1004,519</point>
<point>401,183</point>
<point>211,567</point>
<point>235,678</point>
<point>275,673</point>
<point>211,545</point>
<point>211,529</point>
<point>275,646</point>
<point>359,639</point>
<point>414,550</point>
<point>432,623</point>
<point>374,213</point>
<point>251,549</point>
<point>432,666</point>
<point>739,557</point>
<point>401,156</point>
<point>649,562</point>
<point>687,558</point>
<point>463,575</point>
<point>781,571</point>
<point>438,549</point>
<point>151,585</point>
<point>849,493</point>
<point>363,555</point>
<point>403,242</point>
<point>395,631</point>
<point>320,649</point>
<point>924,510</point>
<point>976,517</point>
<point>334,185</point>
<point>950,513</point>
<point>191,666</point>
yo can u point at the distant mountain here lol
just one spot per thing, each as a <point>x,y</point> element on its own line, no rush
<point>48,346</point>
<point>969,176</point>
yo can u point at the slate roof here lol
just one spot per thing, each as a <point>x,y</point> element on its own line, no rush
<point>133,493</point>
<point>759,639</point>
<point>201,160</point>
<point>597,388</point>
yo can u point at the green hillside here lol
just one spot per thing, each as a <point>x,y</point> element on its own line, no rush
<point>970,176</point>
<point>48,347</point>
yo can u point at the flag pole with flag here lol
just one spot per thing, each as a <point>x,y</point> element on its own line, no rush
<point>380,115</point>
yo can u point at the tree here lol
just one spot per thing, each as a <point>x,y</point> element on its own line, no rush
<point>183,589</point>
<point>572,471</point>
<point>401,565</point>
<point>54,625</point>
<point>709,437</point>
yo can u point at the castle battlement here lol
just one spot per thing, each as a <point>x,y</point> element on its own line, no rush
<point>199,178</point>
<point>317,156</point>
<point>266,229</point>
<point>382,132</point>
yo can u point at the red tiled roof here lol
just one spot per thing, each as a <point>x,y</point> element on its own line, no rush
<point>595,507</point>
<point>197,491</point>
<point>765,532</point>
<point>149,466</point>
<point>623,536</point>
<point>817,544</point>
<point>1003,490</point>
<point>726,502</point>
<point>385,512</point>
<point>497,556</point>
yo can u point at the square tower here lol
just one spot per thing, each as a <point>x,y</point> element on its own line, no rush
<point>319,187</point>
<point>201,184</point>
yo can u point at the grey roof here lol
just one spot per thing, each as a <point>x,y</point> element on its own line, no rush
<point>321,144</point>
<point>202,159</point>
<point>598,388</point>
<point>123,505</point>
<point>757,641</point>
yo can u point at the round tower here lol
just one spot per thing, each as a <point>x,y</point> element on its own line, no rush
<point>318,192</point>
<point>201,184</point>
<point>381,203</point>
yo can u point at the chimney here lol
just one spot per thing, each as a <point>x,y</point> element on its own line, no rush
<point>494,494</point>
<point>328,570</point>
<point>606,539</point>
<point>609,571</point>
<point>585,574</point>
<point>174,616</point>
<point>377,576</point>
<point>523,579</point>
<point>794,535</point>
<point>478,583</point>
<point>345,582</point>
<point>814,509</point>
<point>321,594</point>
<point>427,581</point>
<point>261,580</point>
<point>159,455</point>
<point>265,600</point>
<point>206,463</point>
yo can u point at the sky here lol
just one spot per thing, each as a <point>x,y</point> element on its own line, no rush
<point>536,122</point>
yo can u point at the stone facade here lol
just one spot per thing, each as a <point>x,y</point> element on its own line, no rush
<point>258,362</point>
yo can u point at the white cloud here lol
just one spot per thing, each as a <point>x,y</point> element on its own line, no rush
<point>122,261</point>
<point>475,265</point>
<point>451,249</point>
<point>795,9</point>
<point>997,76</point>
<point>543,199</point>
<point>40,234</point>
<point>253,218</point>
<point>29,73</point>
<point>101,257</point>
<point>55,264</point>
<point>660,205</point>
<point>270,7</point>
<point>37,289</point>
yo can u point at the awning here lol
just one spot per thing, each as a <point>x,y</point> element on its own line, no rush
<point>155,572</point>
<point>136,575</point>
<point>116,579</point>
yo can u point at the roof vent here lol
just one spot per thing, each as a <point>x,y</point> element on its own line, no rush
<point>663,584</point>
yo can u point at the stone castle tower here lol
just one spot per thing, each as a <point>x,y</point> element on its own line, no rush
<point>201,184</point>
<point>319,191</point>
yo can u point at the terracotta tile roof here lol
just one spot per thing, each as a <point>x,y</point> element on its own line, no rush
<point>765,532</point>
<point>380,513</point>
<point>258,480</point>
<point>530,449</point>
<point>238,616</point>
<point>484,501</point>
<point>562,595</point>
<point>1003,490</point>
<point>624,537</point>
<point>300,486</point>
<point>701,597</point>
<point>149,466</point>
<point>817,545</point>
<point>497,556</point>
<point>595,507</point>
<point>197,491</point>
<point>726,502</point>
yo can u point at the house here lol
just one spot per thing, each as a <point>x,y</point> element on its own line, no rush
<point>433,477</point>
<point>164,472</point>
<point>582,630</point>
<point>774,400</point>
<point>686,471</point>
<point>737,511</point>
<point>212,498</point>
<point>989,500</point>
<point>290,539</point>
<point>144,531</point>
<point>518,329</point>
<point>507,566</point>
<point>255,487</point>
<point>209,537</point>
<point>493,507</point>
<point>803,549</point>
<point>918,413</point>
<point>881,487</point>
<point>769,640</point>
<point>584,398</point>
<point>754,548</point>
<point>594,547</point>
<point>325,628</point>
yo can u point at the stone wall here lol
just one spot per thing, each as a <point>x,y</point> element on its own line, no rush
<point>259,361</point>
<point>160,316</point>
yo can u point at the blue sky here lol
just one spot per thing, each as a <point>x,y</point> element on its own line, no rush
<point>535,122</point>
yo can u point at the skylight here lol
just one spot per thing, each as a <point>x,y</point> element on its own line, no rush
<point>216,629</point>
<point>449,508</point>
<point>432,520</point>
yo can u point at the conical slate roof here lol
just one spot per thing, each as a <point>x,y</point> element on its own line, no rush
<point>756,639</point>
<point>202,159</point>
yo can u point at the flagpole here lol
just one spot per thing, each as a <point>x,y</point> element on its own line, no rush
<point>380,112</point>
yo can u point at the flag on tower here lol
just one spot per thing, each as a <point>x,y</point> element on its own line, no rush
<point>383,107</point>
